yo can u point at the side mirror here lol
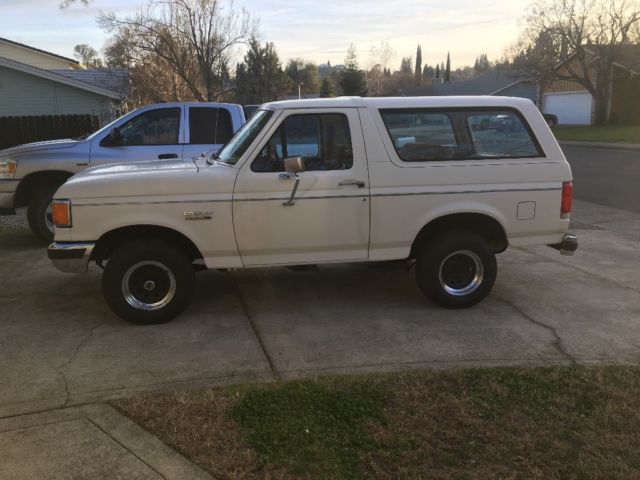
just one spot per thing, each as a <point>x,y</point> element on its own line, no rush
<point>294,165</point>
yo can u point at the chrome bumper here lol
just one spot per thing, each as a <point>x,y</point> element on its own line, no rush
<point>70,257</point>
<point>568,245</point>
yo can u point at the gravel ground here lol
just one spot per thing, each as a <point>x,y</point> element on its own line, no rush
<point>14,223</point>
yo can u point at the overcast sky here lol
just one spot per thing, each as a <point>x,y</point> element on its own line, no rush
<point>317,30</point>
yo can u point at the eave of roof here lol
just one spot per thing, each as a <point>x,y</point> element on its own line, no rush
<point>28,47</point>
<point>56,77</point>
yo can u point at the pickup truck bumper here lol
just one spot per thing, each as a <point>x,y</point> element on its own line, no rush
<point>70,257</point>
<point>568,245</point>
<point>7,191</point>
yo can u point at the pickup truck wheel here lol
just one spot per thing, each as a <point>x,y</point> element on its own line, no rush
<point>456,269</point>
<point>39,212</point>
<point>148,282</point>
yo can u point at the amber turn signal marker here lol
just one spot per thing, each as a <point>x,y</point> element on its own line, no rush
<point>61,213</point>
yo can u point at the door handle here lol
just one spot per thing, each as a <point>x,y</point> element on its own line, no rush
<point>167,156</point>
<point>351,181</point>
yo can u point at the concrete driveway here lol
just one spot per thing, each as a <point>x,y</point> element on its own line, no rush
<point>61,346</point>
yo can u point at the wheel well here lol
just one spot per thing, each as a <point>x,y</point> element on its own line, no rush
<point>488,227</point>
<point>30,184</point>
<point>110,241</point>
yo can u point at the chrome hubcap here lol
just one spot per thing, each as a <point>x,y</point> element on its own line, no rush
<point>148,285</point>
<point>48,218</point>
<point>461,273</point>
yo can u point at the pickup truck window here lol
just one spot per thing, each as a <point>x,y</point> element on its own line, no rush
<point>244,137</point>
<point>209,126</point>
<point>420,135</point>
<point>322,140</point>
<point>155,127</point>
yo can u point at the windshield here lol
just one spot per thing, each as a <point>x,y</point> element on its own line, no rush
<point>236,147</point>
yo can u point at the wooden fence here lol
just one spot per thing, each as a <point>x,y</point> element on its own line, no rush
<point>19,130</point>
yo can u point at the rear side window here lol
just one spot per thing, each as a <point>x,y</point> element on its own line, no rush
<point>322,140</point>
<point>209,126</point>
<point>501,134</point>
<point>421,135</point>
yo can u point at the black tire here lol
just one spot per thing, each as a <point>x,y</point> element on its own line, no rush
<point>150,265</point>
<point>468,269</point>
<point>37,212</point>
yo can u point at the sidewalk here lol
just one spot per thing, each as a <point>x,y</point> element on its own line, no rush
<point>608,146</point>
<point>90,442</point>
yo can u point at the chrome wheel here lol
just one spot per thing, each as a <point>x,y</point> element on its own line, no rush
<point>48,218</point>
<point>461,273</point>
<point>148,285</point>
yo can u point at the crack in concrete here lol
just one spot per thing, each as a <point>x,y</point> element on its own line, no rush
<point>557,342</point>
<point>256,331</point>
<point>73,357</point>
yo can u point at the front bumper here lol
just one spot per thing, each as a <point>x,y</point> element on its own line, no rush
<point>70,257</point>
<point>568,245</point>
<point>7,192</point>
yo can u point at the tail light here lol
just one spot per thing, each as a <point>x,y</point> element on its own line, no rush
<point>567,197</point>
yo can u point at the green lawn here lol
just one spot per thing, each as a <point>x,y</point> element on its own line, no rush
<point>556,422</point>
<point>606,134</point>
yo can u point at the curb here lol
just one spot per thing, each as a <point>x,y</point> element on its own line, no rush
<point>629,147</point>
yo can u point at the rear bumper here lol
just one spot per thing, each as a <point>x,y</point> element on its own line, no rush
<point>568,245</point>
<point>70,257</point>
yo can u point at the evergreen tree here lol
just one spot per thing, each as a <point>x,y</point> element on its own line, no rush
<point>406,65</point>
<point>482,64</point>
<point>447,72</point>
<point>418,71</point>
<point>352,81</point>
<point>326,88</point>
<point>260,77</point>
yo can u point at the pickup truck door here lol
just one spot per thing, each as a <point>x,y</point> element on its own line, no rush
<point>208,129</point>
<point>328,218</point>
<point>154,134</point>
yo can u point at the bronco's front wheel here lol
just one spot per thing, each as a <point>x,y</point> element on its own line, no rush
<point>148,282</point>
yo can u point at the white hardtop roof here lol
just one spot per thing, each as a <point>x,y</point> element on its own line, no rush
<point>400,102</point>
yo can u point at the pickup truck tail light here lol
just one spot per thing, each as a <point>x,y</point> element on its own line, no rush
<point>567,197</point>
<point>61,213</point>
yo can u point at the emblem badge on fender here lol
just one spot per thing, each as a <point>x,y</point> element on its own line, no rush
<point>198,215</point>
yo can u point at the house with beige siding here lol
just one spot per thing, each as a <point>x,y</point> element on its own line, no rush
<point>34,82</point>
<point>45,96</point>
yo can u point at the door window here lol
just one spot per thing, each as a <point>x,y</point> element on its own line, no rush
<point>155,127</point>
<point>209,126</point>
<point>322,140</point>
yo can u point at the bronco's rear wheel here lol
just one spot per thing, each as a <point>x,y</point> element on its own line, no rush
<point>456,269</point>
<point>148,281</point>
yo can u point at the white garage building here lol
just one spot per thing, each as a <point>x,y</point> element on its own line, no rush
<point>571,108</point>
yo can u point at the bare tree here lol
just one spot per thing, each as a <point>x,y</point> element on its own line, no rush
<point>194,39</point>
<point>87,55</point>
<point>579,41</point>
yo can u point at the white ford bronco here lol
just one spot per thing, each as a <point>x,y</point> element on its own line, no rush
<point>442,182</point>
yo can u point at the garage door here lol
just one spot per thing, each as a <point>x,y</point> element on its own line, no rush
<point>570,108</point>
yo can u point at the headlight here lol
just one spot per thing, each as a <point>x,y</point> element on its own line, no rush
<point>61,213</point>
<point>7,169</point>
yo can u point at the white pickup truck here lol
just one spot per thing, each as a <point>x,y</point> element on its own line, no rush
<point>30,174</point>
<point>442,182</point>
